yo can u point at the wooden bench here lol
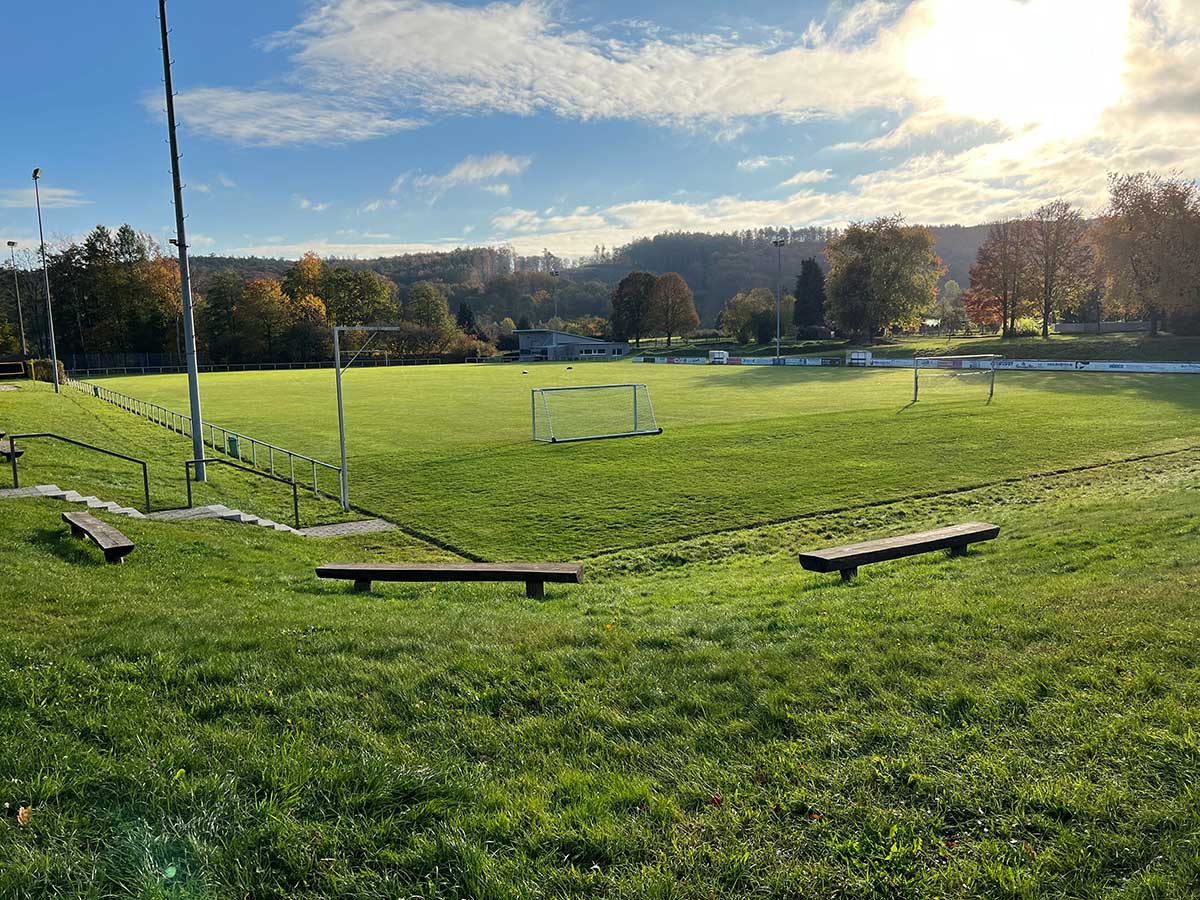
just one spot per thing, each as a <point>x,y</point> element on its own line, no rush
<point>848,558</point>
<point>535,575</point>
<point>6,449</point>
<point>114,544</point>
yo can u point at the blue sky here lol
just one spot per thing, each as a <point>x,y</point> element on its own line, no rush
<point>366,127</point>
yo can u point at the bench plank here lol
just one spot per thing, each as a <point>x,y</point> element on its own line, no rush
<point>114,544</point>
<point>6,448</point>
<point>847,558</point>
<point>533,574</point>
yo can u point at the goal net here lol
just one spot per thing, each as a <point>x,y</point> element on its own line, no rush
<point>954,377</point>
<point>591,412</point>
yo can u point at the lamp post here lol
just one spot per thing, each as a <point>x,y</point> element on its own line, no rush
<point>37,173</point>
<point>778,242</point>
<point>12,252</point>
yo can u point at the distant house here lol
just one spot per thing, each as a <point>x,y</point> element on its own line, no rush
<point>545,344</point>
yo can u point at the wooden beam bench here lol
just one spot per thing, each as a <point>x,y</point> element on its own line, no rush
<point>535,575</point>
<point>6,449</point>
<point>114,544</point>
<point>848,558</point>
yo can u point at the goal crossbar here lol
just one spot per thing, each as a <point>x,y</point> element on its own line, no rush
<point>626,415</point>
<point>932,362</point>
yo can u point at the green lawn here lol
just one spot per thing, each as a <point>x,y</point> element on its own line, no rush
<point>34,408</point>
<point>700,720</point>
<point>446,450</point>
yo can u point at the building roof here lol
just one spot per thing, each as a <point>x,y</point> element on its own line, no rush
<point>575,338</point>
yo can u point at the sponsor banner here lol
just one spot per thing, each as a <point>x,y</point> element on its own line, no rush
<point>1039,365</point>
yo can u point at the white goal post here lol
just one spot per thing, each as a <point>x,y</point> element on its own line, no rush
<point>982,363</point>
<point>591,412</point>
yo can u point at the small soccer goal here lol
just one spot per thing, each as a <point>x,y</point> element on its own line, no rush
<point>592,412</point>
<point>964,374</point>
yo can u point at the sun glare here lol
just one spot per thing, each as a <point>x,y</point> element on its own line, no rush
<point>1055,64</point>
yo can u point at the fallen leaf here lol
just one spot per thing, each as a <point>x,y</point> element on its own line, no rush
<point>23,815</point>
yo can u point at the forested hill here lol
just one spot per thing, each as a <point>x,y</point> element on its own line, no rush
<point>715,266</point>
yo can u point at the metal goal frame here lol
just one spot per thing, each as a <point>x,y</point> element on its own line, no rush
<point>539,394</point>
<point>990,358</point>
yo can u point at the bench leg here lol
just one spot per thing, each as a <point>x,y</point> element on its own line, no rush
<point>960,550</point>
<point>535,590</point>
<point>362,586</point>
<point>114,558</point>
<point>76,531</point>
<point>849,574</point>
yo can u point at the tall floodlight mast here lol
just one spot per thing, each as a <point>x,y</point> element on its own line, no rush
<point>185,275</point>
<point>779,245</point>
<point>37,173</point>
<point>12,252</point>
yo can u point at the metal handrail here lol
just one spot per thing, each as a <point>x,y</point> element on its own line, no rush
<point>187,471</point>
<point>12,446</point>
<point>182,424</point>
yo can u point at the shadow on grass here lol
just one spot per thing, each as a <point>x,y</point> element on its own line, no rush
<point>67,548</point>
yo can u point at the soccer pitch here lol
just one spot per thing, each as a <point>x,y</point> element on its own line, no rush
<point>447,450</point>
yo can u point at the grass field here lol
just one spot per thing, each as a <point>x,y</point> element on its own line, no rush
<point>701,720</point>
<point>446,450</point>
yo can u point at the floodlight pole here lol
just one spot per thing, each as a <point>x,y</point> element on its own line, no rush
<point>778,242</point>
<point>17,290</point>
<point>185,275</point>
<point>46,277</point>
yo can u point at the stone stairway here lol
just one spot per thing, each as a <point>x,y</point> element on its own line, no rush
<point>214,511</point>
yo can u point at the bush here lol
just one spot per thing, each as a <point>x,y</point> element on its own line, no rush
<point>813,333</point>
<point>42,369</point>
<point>1027,326</point>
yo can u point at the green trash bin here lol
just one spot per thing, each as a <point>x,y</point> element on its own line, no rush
<point>231,442</point>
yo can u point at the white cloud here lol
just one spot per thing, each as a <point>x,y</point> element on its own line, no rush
<point>376,204</point>
<point>225,181</point>
<point>272,119</point>
<point>311,205</point>
<point>52,198</point>
<point>754,163</point>
<point>275,247</point>
<point>500,190</point>
<point>202,188</point>
<point>200,240</point>
<point>516,57</point>
<point>473,170</point>
<point>809,176</point>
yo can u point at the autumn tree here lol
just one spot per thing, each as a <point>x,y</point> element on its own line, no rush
<point>672,307</point>
<point>1060,256</point>
<point>1003,283</point>
<point>1148,246</point>
<point>262,316</point>
<point>632,301</point>
<point>881,274</point>
<point>750,315</point>
<point>809,311</point>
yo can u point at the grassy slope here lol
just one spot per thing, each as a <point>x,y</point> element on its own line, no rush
<point>447,450</point>
<point>34,408</point>
<point>1021,722</point>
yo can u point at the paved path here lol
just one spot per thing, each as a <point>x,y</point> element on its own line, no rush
<point>341,529</point>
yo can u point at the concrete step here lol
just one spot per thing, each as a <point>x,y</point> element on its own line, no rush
<point>240,517</point>
<point>48,488</point>
<point>195,512</point>
<point>14,493</point>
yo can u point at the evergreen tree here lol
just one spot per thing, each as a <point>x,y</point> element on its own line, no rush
<point>809,310</point>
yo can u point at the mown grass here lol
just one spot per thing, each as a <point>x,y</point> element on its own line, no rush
<point>34,408</point>
<point>210,720</point>
<point>447,451</point>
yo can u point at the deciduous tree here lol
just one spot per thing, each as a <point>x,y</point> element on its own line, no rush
<point>631,306</point>
<point>1061,257</point>
<point>1002,281</point>
<point>750,315</point>
<point>881,273</point>
<point>673,309</point>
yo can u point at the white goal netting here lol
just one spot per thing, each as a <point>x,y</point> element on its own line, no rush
<point>591,412</point>
<point>955,377</point>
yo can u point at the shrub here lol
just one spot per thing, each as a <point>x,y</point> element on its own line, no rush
<point>42,369</point>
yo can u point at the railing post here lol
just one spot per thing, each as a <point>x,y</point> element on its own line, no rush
<point>296,505</point>
<point>146,485</point>
<point>187,474</point>
<point>12,447</point>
